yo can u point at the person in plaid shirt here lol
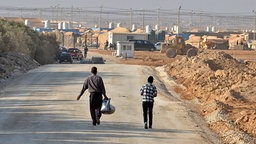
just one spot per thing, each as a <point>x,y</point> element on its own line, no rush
<point>148,92</point>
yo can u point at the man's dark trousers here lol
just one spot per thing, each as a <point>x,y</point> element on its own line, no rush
<point>148,109</point>
<point>95,106</point>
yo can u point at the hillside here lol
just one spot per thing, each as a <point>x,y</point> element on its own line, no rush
<point>22,49</point>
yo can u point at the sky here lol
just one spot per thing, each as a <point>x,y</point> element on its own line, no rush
<point>213,6</point>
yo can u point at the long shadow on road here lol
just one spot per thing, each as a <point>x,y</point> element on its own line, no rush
<point>30,114</point>
<point>35,126</point>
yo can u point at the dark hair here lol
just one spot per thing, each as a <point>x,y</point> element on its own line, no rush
<point>94,70</point>
<point>150,79</point>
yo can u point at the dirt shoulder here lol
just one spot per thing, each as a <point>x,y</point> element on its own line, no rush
<point>220,84</point>
<point>13,64</point>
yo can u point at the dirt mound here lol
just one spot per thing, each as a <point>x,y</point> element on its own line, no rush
<point>13,64</point>
<point>221,82</point>
<point>226,91</point>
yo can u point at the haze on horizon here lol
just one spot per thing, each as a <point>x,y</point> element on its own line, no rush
<point>214,6</point>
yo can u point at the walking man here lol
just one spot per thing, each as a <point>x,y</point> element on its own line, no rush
<point>95,86</point>
<point>148,92</point>
<point>85,51</point>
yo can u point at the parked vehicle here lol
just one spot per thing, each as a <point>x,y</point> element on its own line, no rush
<point>143,45</point>
<point>97,60</point>
<point>63,49</point>
<point>75,53</point>
<point>65,57</point>
<point>94,44</point>
<point>158,45</point>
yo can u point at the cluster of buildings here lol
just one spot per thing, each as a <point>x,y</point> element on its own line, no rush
<point>70,34</point>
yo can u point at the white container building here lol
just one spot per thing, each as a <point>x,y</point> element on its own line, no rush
<point>60,25</point>
<point>113,37</point>
<point>119,24</point>
<point>47,24</point>
<point>134,27</point>
<point>111,25</point>
<point>27,23</point>
<point>148,29</point>
<point>125,49</point>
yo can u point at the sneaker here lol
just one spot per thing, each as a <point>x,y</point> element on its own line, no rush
<point>94,123</point>
<point>97,120</point>
<point>150,127</point>
<point>146,126</point>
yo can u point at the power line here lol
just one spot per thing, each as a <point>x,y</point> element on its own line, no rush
<point>149,16</point>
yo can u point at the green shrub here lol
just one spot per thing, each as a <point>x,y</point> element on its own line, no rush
<point>17,37</point>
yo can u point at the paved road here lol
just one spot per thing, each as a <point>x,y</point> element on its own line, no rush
<point>40,108</point>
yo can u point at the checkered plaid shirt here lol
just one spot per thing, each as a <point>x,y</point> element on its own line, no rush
<point>148,90</point>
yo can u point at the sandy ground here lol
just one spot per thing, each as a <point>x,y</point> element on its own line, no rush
<point>39,107</point>
<point>213,90</point>
<point>219,85</point>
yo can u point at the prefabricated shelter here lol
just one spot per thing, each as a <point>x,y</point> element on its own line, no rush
<point>125,49</point>
<point>113,37</point>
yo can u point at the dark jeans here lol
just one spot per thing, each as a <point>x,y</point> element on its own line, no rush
<point>148,111</point>
<point>95,105</point>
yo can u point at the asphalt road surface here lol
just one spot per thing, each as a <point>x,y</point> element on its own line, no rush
<point>41,108</point>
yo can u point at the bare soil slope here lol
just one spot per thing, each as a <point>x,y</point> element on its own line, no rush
<point>222,83</point>
<point>13,64</point>
<point>225,89</point>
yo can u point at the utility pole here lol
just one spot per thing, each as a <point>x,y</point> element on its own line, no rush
<point>143,19</point>
<point>52,8</point>
<point>85,18</point>
<point>61,13</point>
<point>191,17</point>
<point>179,20</point>
<point>57,15</point>
<point>100,17</point>
<point>254,24</point>
<point>72,10</point>
<point>200,20</point>
<point>79,16</point>
<point>131,15</point>
<point>40,13</point>
<point>21,12</point>
<point>158,9</point>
